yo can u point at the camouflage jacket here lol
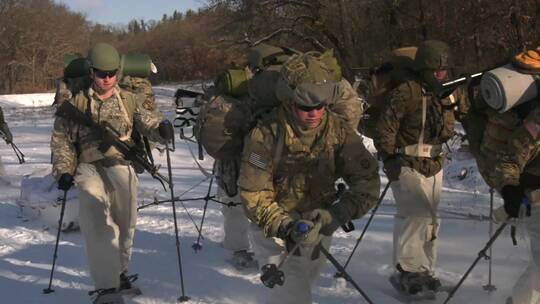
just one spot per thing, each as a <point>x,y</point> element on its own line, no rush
<point>280,177</point>
<point>400,124</point>
<point>73,143</point>
<point>506,145</point>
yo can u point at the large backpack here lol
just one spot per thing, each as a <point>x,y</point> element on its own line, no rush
<point>381,81</point>
<point>227,117</point>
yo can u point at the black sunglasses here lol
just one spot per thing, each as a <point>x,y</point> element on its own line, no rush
<point>309,109</point>
<point>103,74</point>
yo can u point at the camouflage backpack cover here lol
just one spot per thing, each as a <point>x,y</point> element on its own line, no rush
<point>226,118</point>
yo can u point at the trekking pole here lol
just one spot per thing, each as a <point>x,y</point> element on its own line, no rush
<point>182,298</point>
<point>18,153</point>
<point>272,274</point>
<point>342,270</point>
<point>197,246</point>
<point>339,274</point>
<point>490,287</point>
<point>481,254</point>
<point>49,289</point>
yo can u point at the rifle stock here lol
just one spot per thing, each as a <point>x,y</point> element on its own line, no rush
<point>70,112</point>
<point>187,93</point>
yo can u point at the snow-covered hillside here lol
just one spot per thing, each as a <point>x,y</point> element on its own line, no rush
<point>27,243</point>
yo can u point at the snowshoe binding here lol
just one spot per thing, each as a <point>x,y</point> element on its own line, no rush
<point>107,296</point>
<point>126,284</point>
<point>415,285</point>
<point>242,259</point>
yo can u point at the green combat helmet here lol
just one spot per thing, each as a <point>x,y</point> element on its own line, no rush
<point>309,79</point>
<point>432,55</point>
<point>104,57</point>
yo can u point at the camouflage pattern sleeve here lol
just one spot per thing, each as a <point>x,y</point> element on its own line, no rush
<point>463,104</point>
<point>146,119</point>
<point>64,153</point>
<point>524,146</point>
<point>360,170</point>
<point>256,182</point>
<point>389,121</point>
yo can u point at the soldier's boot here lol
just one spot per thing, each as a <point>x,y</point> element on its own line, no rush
<point>244,259</point>
<point>430,282</point>
<point>410,282</point>
<point>108,296</point>
<point>126,284</point>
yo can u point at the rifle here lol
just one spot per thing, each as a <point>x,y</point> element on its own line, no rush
<point>449,87</point>
<point>187,93</point>
<point>70,112</point>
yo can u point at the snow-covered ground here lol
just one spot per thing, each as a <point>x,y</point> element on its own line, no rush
<point>27,244</point>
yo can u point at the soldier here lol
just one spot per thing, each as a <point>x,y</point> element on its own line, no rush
<point>106,181</point>
<point>506,147</point>
<point>6,135</point>
<point>289,166</point>
<point>409,136</point>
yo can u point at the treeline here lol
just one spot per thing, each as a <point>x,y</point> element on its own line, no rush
<point>35,34</point>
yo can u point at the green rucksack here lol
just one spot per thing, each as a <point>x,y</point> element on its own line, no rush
<point>227,117</point>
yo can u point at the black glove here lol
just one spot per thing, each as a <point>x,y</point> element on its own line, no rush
<point>7,134</point>
<point>166,130</point>
<point>512,195</point>
<point>65,182</point>
<point>332,218</point>
<point>392,167</point>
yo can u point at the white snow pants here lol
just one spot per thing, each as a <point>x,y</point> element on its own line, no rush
<point>527,288</point>
<point>235,223</point>
<point>300,271</point>
<point>416,226</point>
<point>107,215</point>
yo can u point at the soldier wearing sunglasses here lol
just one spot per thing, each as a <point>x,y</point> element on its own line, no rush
<point>106,181</point>
<point>289,166</point>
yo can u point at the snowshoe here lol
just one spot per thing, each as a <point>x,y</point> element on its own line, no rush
<point>242,259</point>
<point>126,284</point>
<point>107,296</point>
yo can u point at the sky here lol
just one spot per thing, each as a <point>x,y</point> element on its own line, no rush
<point>122,11</point>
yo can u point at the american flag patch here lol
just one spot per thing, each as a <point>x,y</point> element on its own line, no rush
<point>257,160</point>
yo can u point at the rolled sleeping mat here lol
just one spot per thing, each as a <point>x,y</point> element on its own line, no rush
<point>504,87</point>
<point>75,66</point>
<point>137,65</point>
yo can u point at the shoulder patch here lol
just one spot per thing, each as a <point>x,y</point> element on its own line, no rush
<point>258,161</point>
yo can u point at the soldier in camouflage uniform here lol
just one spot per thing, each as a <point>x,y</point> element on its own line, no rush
<point>411,130</point>
<point>506,147</point>
<point>289,166</point>
<point>6,135</point>
<point>106,181</point>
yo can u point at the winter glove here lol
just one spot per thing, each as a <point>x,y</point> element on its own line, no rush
<point>392,167</point>
<point>512,195</point>
<point>305,233</point>
<point>331,219</point>
<point>166,130</point>
<point>65,182</point>
<point>7,134</point>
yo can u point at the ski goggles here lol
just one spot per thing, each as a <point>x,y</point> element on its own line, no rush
<point>104,74</point>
